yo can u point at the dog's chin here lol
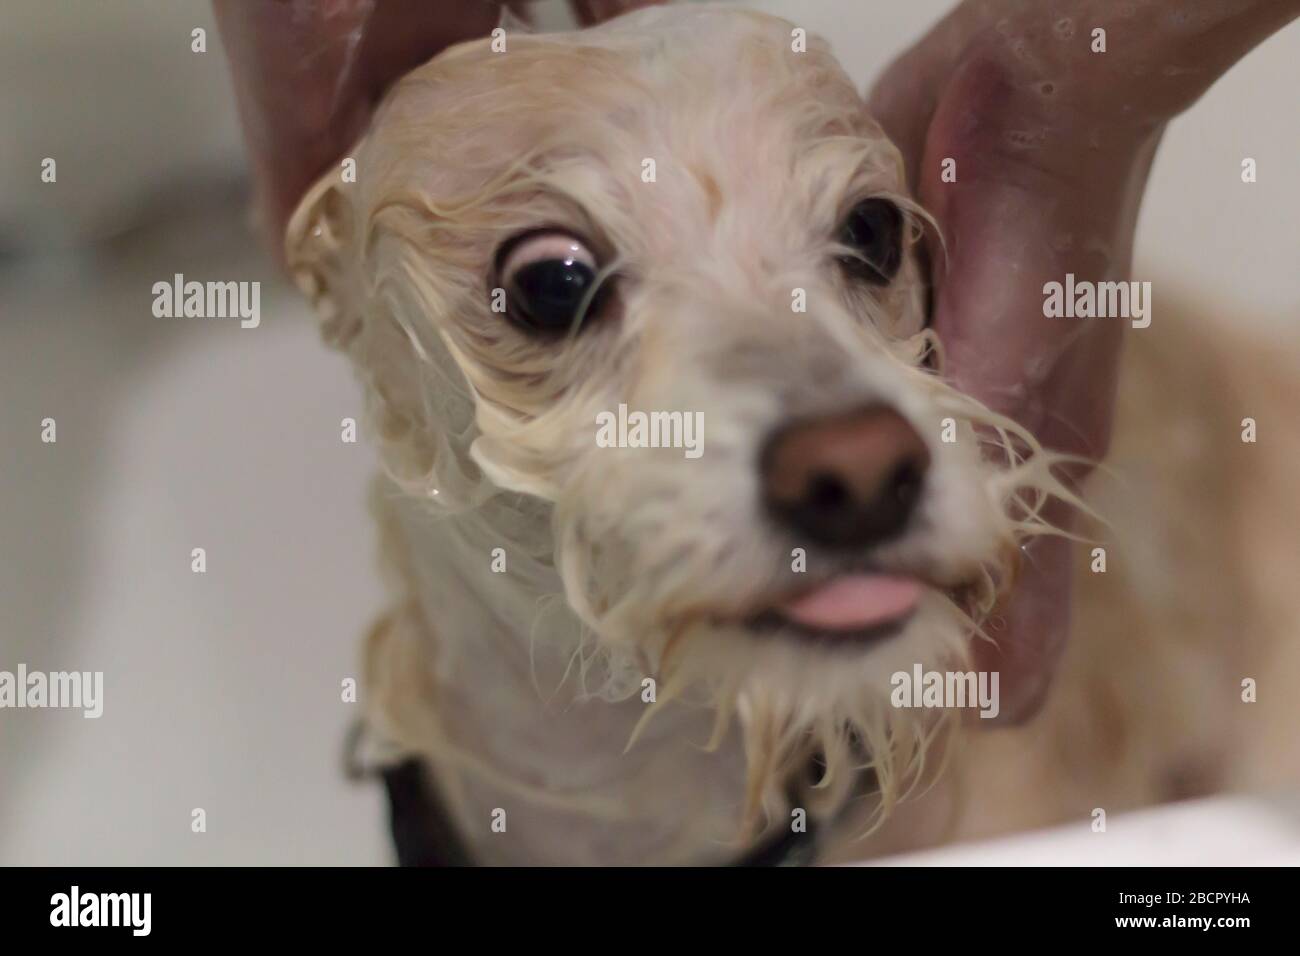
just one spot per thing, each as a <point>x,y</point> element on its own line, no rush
<point>825,642</point>
<point>821,667</point>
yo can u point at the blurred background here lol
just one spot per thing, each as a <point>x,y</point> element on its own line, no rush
<point>223,689</point>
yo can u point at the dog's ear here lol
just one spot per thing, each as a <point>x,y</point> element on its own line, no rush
<point>322,254</point>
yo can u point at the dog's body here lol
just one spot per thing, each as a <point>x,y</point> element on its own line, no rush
<point>1148,704</point>
<point>576,651</point>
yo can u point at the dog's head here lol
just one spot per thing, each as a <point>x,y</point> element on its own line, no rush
<point>681,230</point>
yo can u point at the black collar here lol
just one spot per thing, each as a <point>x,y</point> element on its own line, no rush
<point>425,836</point>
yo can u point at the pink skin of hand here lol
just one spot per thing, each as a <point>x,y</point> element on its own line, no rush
<point>308,75</point>
<point>1051,142</point>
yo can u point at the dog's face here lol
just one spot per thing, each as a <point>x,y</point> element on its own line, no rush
<point>679,212</point>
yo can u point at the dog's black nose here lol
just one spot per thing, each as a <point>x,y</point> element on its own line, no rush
<point>847,480</point>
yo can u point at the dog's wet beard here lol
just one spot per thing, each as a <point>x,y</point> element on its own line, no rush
<point>832,711</point>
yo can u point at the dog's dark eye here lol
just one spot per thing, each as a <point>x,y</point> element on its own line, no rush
<point>874,231</point>
<point>549,280</point>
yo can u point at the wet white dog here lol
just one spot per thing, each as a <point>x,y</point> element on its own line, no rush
<point>560,251</point>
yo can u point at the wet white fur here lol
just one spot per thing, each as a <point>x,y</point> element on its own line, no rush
<point>523,689</point>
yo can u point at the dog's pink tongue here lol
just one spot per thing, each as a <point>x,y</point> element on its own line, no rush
<point>855,601</point>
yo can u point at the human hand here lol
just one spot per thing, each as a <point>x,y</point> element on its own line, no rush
<point>1052,141</point>
<point>308,75</point>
